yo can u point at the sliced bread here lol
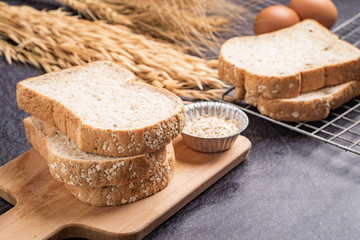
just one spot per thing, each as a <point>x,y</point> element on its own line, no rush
<point>285,63</point>
<point>126,193</point>
<point>103,110</point>
<point>312,106</point>
<point>67,163</point>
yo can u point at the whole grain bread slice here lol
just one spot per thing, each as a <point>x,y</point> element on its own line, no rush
<point>103,110</point>
<point>285,63</point>
<point>126,193</point>
<point>312,106</point>
<point>67,163</point>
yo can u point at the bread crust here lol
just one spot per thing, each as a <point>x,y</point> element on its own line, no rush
<point>127,193</point>
<point>314,109</point>
<point>108,142</point>
<point>231,74</point>
<point>272,87</point>
<point>288,86</point>
<point>104,171</point>
<point>341,73</point>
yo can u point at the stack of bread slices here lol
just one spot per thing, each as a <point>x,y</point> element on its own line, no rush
<point>298,73</point>
<point>107,137</point>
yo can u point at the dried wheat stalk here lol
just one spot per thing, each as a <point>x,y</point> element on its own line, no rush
<point>55,40</point>
<point>191,24</point>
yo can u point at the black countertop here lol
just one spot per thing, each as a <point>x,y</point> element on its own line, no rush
<point>290,187</point>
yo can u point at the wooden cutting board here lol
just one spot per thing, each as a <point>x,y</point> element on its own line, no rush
<point>45,210</point>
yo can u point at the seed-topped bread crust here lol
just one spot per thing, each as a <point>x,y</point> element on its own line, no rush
<point>71,165</point>
<point>312,106</point>
<point>126,193</point>
<point>285,63</point>
<point>94,136</point>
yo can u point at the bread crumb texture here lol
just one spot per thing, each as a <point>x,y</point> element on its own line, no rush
<point>103,110</point>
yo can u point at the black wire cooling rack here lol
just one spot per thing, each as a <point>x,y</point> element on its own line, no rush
<point>342,127</point>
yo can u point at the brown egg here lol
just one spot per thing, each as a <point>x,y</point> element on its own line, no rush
<point>323,11</point>
<point>274,18</point>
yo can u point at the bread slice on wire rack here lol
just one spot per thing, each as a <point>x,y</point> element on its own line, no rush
<point>285,63</point>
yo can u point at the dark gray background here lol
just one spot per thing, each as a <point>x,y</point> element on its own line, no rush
<point>291,186</point>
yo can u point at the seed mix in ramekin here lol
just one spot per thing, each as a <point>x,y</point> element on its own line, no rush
<point>213,126</point>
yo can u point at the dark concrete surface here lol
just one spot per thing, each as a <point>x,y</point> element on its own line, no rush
<point>291,186</point>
